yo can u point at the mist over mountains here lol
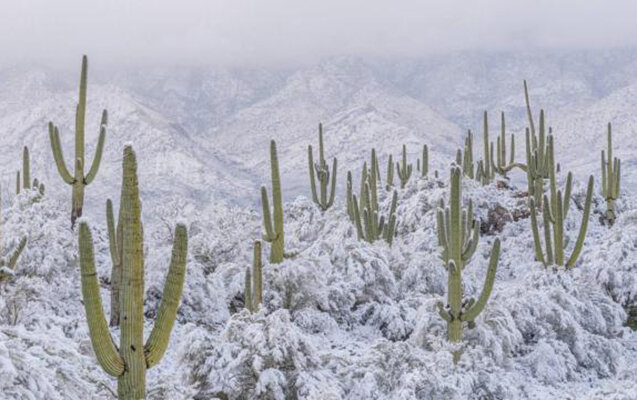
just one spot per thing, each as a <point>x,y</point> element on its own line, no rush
<point>202,132</point>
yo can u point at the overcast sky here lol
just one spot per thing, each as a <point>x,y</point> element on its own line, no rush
<point>284,32</point>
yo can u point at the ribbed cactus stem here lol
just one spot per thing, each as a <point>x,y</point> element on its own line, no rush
<point>247,291</point>
<point>115,247</point>
<point>404,169</point>
<point>458,235</point>
<point>274,226</point>
<point>326,178</point>
<point>257,276</point>
<point>130,362</point>
<point>554,233</point>
<point>78,180</point>
<point>611,175</point>
<point>390,173</point>
<point>424,169</point>
<point>26,169</point>
<point>18,183</point>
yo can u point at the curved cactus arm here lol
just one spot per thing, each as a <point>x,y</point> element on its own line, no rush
<point>537,244</point>
<point>472,245</point>
<point>528,108</point>
<point>479,305</point>
<point>103,345</point>
<point>58,155</point>
<point>582,231</point>
<point>95,166</point>
<point>442,235</point>
<point>13,260</point>
<point>444,314</point>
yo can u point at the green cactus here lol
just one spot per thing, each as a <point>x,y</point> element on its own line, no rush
<point>404,169</point>
<point>274,233</point>
<point>323,174</point>
<point>26,169</point>
<point>499,162</point>
<point>390,173</point>
<point>130,361</point>
<point>553,217</point>
<point>467,158</point>
<point>369,225</point>
<point>18,183</point>
<point>611,174</point>
<point>12,261</point>
<point>488,174</point>
<point>115,246</point>
<point>349,194</point>
<point>254,281</point>
<point>78,180</point>
<point>423,165</point>
<point>458,235</point>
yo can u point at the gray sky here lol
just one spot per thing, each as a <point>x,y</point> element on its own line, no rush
<point>281,32</point>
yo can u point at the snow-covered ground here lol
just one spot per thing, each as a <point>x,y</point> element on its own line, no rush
<point>342,319</point>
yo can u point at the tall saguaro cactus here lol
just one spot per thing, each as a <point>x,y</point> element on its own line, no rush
<point>274,231</point>
<point>78,180</point>
<point>26,169</point>
<point>254,281</point>
<point>323,174</point>
<point>611,174</point>
<point>423,164</point>
<point>458,235</point>
<point>130,361</point>
<point>554,214</point>
<point>404,169</point>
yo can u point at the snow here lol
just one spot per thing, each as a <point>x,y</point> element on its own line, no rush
<point>341,319</point>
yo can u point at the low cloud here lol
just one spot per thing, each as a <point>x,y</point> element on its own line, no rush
<point>284,32</point>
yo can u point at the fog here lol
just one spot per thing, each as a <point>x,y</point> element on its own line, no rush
<point>284,32</point>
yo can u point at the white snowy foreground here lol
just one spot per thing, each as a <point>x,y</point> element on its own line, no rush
<point>342,320</point>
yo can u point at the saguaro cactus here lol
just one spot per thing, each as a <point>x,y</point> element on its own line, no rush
<point>499,161</point>
<point>611,174</point>
<point>323,174</point>
<point>458,235</point>
<point>488,174</point>
<point>274,232</point>
<point>254,281</point>
<point>130,361</point>
<point>26,168</point>
<point>423,164</point>
<point>553,216</point>
<point>390,173</point>
<point>404,169</point>
<point>78,180</point>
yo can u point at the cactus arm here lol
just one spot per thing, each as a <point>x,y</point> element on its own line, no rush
<point>582,232</point>
<point>333,184</point>
<point>546,215</point>
<point>95,166</point>
<point>269,235</point>
<point>103,345</point>
<point>357,218</point>
<point>479,305</point>
<point>26,170</point>
<point>173,287</point>
<point>247,291</point>
<point>257,275</point>
<point>310,162</point>
<point>472,245</point>
<point>13,260</point>
<point>80,114</point>
<point>56,148</point>
<point>537,244</point>
<point>112,233</point>
<point>17,183</point>
<point>558,231</point>
<point>567,194</point>
<point>442,236</point>
<point>443,313</point>
<point>528,108</point>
